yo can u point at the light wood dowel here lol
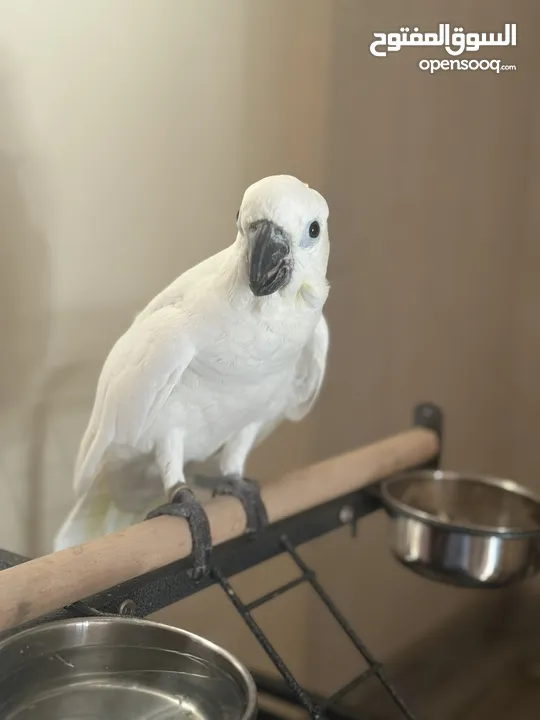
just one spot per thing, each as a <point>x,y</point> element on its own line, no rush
<point>52,581</point>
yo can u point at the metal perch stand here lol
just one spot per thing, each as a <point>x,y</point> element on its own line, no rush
<point>146,568</point>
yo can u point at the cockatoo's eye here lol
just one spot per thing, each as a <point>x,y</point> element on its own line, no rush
<point>314,229</point>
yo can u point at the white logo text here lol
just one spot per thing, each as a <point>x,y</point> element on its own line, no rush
<point>454,43</point>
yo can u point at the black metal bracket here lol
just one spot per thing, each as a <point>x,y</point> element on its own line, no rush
<point>154,591</point>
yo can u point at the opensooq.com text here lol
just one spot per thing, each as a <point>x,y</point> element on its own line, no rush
<point>433,66</point>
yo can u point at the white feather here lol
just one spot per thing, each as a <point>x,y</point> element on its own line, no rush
<point>205,368</point>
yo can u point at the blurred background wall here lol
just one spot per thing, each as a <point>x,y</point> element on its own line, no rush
<point>128,132</point>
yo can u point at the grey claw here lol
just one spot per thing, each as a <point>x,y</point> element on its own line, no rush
<point>183,504</point>
<point>249,494</point>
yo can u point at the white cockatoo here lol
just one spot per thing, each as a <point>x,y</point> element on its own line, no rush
<point>210,367</point>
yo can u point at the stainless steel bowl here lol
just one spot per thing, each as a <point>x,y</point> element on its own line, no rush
<point>120,669</point>
<point>465,530</point>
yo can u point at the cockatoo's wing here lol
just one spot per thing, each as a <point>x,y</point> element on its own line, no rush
<point>310,373</point>
<point>138,377</point>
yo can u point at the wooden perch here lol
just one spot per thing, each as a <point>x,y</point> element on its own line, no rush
<point>47,583</point>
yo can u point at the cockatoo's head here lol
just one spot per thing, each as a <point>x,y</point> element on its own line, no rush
<point>283,226</point>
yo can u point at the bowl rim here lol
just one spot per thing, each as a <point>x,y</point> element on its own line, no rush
<point>506,485</point>
<point>250,687</point>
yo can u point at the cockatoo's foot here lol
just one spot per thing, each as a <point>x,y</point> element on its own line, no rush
<point>183,504</point>
<point>249,494</point>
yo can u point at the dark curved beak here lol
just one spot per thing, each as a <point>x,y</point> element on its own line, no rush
<point>270,260</point>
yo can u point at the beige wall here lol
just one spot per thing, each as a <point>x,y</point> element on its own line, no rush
<point>128,131</point>
<point>430,183</point>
